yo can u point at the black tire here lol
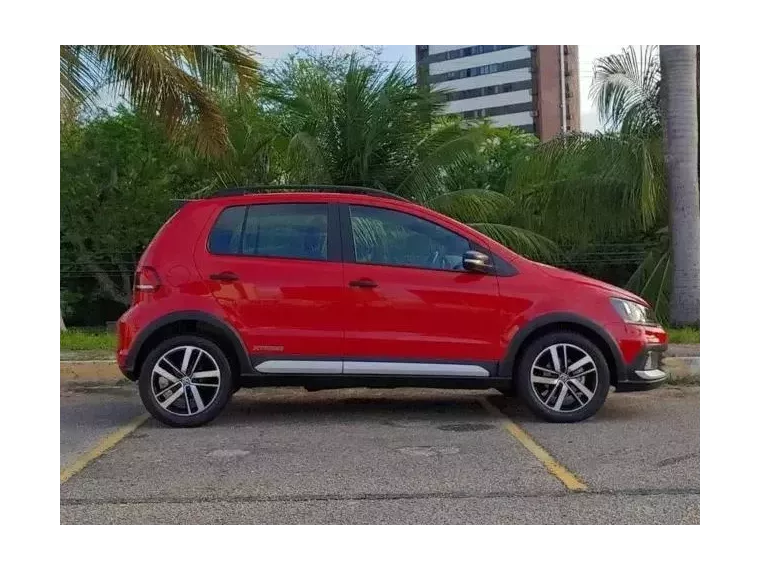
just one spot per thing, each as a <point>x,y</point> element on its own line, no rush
<point>226,383</point>
<point>525,387</point>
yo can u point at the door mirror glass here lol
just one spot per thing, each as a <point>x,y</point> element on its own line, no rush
<point>476,262</point>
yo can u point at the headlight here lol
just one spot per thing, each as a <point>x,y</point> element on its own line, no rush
<point>632,312</point>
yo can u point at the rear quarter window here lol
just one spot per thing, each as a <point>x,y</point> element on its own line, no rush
<point>225,236</point>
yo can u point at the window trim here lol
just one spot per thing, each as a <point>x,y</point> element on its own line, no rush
<point>349,256</point>
<point>334,249</point>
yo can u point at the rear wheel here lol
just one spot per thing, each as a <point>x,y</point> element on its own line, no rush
<point>185,381</point>
<point>563,377</point>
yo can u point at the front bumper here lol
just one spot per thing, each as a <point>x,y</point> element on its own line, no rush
<point>644,373</point>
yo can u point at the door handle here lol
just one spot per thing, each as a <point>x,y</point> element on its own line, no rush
<point>364,283</point>
<point>224,276</point>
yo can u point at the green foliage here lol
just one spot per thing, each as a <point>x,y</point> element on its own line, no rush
<point>470,206</point>
<point>592,187</point>
<point>118,176</point>
<point>353,121</point>
<point>687,335</point>
<point>527,243</point>
<point>77,339</point>
<point>350,121</point>
<point>493,165</point>
<point>174,82</point>
<point>652,278</point>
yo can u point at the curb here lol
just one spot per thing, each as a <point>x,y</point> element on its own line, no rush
<point>90,372</point>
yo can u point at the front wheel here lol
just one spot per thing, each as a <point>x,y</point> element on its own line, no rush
<point>563,377</point>
<point>185,381</point>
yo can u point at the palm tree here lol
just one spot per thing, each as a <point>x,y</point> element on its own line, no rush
<point>177,83</point>
<point>354,122</point>
<point>680,138</point>
<point>626,90</point>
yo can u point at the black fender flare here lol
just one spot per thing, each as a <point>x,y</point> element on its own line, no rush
<point>219,325</point>
<point>517,342</point>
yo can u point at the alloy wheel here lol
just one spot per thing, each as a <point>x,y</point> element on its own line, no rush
<point>564,377</point>
<point>185,380</point>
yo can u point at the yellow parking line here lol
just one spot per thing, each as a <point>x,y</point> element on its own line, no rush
<point>566,477</point>
<point>101,447</point>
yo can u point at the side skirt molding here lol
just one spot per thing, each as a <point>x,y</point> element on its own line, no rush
<point>360,368</point>
<point>324,373</point>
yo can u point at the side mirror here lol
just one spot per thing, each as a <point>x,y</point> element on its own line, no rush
<point>476,262</point>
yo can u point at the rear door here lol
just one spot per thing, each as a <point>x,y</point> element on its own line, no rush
<point>411,307</point>
<point>275,269</point>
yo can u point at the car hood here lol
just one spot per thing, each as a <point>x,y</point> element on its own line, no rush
<point>578,279</point>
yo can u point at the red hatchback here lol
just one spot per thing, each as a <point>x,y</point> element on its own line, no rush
<point>345,287</point>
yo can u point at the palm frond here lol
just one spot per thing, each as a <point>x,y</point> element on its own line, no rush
<point>174,82</point>
<point>444,149</point>
<point>305,159</point>
<point>471,206</point>
<point>626,89</point>
<point>652,277</point>
<point>651,280</point>
<point>155,81</point>
<point>592,187</point>
<point>522,241</point>
<point>79,79</point>
<point>228,69</point>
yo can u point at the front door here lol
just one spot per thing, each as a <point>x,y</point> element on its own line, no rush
<point>275,269</point>
<point>411,307</point>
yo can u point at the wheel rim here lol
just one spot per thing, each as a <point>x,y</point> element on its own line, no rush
<point>564,377</point>
<point>185,380</point>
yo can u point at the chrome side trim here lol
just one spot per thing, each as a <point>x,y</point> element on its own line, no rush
<point>301,367</point>
<point>369,368</point>
<point>413,369</point>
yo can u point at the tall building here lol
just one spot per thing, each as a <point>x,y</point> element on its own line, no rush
<point>509,85</point>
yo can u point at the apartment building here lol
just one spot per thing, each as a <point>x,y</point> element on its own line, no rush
<point>517,85</point>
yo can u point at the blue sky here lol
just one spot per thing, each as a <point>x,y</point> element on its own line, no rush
<point>405,53</point>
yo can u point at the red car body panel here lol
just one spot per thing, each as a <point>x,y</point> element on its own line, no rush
<point>415,313</point>
<point>307,308</point>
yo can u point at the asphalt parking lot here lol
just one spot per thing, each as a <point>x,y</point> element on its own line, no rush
<point>287,456</point>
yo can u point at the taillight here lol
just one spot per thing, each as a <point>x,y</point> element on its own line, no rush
<point>146,281</point>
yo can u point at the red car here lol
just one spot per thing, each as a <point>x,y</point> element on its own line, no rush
<point>331,287</point>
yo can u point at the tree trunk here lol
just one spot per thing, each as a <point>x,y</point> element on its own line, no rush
<point>679,86</point>
<point>59,325</point>
<point>701,112</point>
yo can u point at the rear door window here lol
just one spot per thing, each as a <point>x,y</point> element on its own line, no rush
<point>297,231</point>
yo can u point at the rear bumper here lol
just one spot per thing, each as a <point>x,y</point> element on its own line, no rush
<point>129,373</point>
<point>644,373</point>
<point>125,335</point>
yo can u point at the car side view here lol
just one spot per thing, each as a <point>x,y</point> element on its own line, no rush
<point>335,287</point>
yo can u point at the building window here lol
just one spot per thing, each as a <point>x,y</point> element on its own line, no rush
<point>481,70</point>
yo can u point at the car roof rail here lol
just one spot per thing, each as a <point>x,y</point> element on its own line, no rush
<point>264,189</point>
